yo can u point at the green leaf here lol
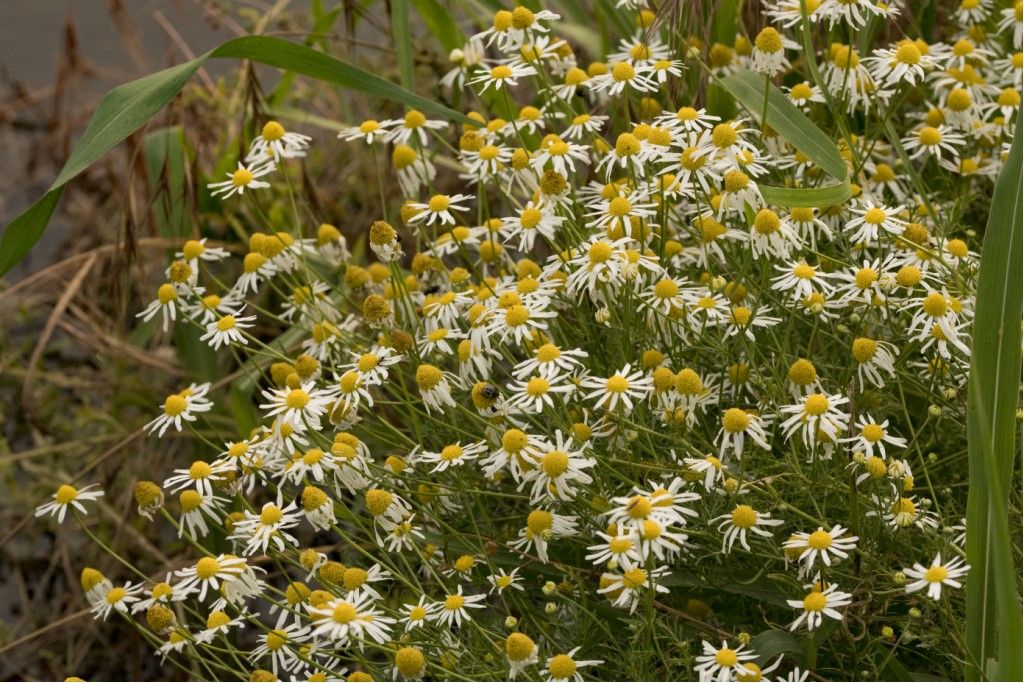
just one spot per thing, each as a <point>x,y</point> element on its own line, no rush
<point>811,197</point>
<point>25,230</point>
<point>993,624</point>
<point>440,23</point>
<point>618,19</point>
<point>770,644</point>
<point>403,40</point>
<point>126,108</point>
<point>783,116</point>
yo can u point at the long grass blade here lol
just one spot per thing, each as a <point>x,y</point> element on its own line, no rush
<point>993,627</point>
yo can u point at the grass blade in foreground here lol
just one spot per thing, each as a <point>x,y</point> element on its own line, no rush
<point>993,603</point>
<point>126,108</point>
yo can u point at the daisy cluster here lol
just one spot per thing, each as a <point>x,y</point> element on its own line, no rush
<point>599,378</point>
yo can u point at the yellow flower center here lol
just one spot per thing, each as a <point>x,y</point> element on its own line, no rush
<point>344,613</point>
<point>929,136</point>
<point>767,221</point>
<point>634,578</point>
<point>816,404</point>
<point>207,568</point>
<point>724,135</point>
<point>623,71</point>
<point>639,507</point>
<point>519,647</point>
<point>872,432</point>
<point>616,384</point>
<point>241,177</point>
<point>600,252</point>
<point>907,53</point>
<point>555,463</point>
<point>273,131</point>
<point>768,40</point>
<point>65,494</point>
<point>935,305</point>
<point>804,271</point>
<point>538,386</point>
<point>936,574</point>
<point>744,517</point>
<point>820,540</point>
<point>270,515</point>
<point>726,657</point>
<point>815,602</point>
<point>735,420</point>
<point>296,399</point>
<point>539,521</point>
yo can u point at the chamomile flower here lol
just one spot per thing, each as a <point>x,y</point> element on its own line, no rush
<point>936,576</point>
<point>439,209</point>
<point>873,436</point>
<point>932,141</point>
<point>739,522</point>
<point>283,645</point>
<point>299,407</point>
<point>419,613</point>
<point>503,76</point>
<point>565,667</point>
<point>117,599</point>
<point>274,142</point>
<point>620,389</point>
<point>769,56</point>
<point>870,218</point>
<point>631,586</point>
<point>502,581</point>
<point>560,467</point>
<point>549,359</point>
<point>620,547</point>
<point>452,610</point>
<point>541,527</point>
<point>167,303</point>
<point>624,75</point>
<point>453,455</point>
<point>67,496</point>
<point>415,123</point>
<point>245,177</point>
<point>352,618</point>
<point>368,131</point>
<point>532,221</point>
<point>209,573</point>
<point>521,652</point>
<point>815,413</point>
<point>535,393</point>
<point>821,545</point>
<point>737,426</point>
<point>181,407</point>
<point>723,663</point>
<point>259,529</point>
<point>820,602</point>
<point>228,329</point>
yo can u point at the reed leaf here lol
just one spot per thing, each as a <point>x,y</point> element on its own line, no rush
<point>799,131</point>
<point>993,626</point>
